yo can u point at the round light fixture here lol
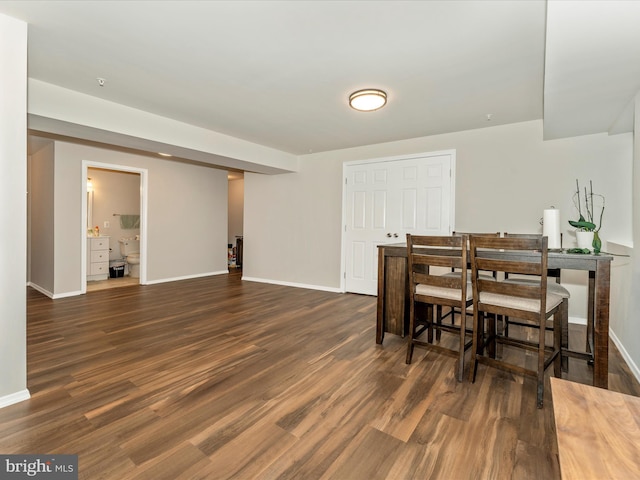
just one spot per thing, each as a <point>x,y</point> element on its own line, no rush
<point>368,100</point>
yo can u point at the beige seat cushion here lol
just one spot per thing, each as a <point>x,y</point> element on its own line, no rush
<point>442,292</point>
<point>519,303</point>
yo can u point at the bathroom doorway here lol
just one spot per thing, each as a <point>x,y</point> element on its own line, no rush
<point>235,221</point>
<point>114,208</point>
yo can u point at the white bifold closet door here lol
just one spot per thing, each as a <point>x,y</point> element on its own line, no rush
<point>385,200</point>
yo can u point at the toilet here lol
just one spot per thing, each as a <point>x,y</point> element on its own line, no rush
<point>130,251</point>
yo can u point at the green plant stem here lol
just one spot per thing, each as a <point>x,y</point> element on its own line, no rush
<point>578,193</point>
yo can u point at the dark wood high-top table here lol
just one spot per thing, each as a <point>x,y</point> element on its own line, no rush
<point>393,299</point>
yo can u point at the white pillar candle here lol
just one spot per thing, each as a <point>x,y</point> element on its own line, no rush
<point>551,226</point>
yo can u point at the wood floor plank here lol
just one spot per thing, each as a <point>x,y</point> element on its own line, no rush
<point>260,445</point>
<point>184,461</point>
<point>215,378</point>
<point>371,454</point>
<point>443,439</point>
<point>402,412</point>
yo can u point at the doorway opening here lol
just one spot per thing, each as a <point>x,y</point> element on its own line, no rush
<point>114,226</point>
<point>235,231</point>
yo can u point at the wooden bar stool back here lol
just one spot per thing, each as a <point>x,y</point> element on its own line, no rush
<point>530,303</point>
<point>431,283</point>
<point>553,286</point>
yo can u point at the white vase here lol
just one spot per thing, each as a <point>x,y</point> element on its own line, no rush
<point>585,239</point>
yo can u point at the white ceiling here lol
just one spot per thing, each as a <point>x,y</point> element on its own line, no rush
<point>278,73</point>
<point>592,67</point>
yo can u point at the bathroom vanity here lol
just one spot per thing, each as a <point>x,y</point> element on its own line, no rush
<point>97,258</point>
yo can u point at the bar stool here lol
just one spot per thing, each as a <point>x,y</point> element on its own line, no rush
<point>554,287</point>
<point>531,303</point>
<point>431,283</point>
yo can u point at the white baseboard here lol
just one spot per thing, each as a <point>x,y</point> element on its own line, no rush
<point>44,291</point>
<point>616,341</point>
<point>292,284</point>
<point>625,355</point>
<point>187,277</point>
<point>16,397</point>
<point>67,294</point>
<point>53,296</point>
<point>578,320</point>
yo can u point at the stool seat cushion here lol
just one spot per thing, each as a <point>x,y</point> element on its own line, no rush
<point>519,303</point>
<point>443,292</point>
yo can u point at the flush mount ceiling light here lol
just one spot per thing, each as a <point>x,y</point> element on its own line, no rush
<point>368,100</point>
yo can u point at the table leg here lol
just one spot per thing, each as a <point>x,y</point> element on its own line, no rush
<point>380,327</point>
<point>590,312</point>
<point>601,325</point>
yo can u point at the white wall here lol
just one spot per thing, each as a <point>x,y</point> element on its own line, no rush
<point>67,213</point>
<point>625,285</point>
<point>506,176</point>
<point>41,222</point>
<point>292,226</point>
<point>187,216</point>
<point>187,221</point>
<point>13,215</point>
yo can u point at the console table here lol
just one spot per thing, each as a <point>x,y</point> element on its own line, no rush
<point>393,299</point>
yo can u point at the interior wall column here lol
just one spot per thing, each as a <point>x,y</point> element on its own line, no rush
<point>632,325</point>
<point>13,214</point>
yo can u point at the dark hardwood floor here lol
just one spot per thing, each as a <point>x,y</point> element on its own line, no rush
<point>216,378</point>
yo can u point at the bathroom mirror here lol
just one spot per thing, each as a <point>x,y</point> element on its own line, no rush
<point>89,210</point>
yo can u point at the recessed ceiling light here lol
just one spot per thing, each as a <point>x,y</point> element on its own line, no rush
<point>368,100</point>
<point>165,154</point>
